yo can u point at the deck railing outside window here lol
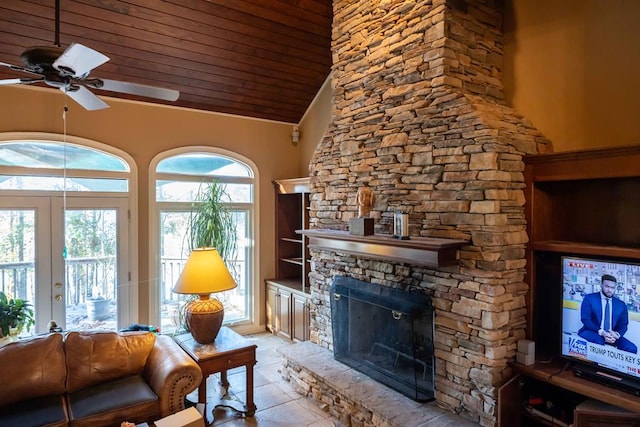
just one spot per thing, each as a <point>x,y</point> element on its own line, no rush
<point>91,278</point>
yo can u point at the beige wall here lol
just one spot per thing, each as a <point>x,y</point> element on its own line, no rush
<point>314,124</point>
<point>144,130</point>
<point>572,67</point>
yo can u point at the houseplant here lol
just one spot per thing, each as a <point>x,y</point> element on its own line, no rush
<point>14,315</point>
<point>211,225</point>
<point>211,222</point>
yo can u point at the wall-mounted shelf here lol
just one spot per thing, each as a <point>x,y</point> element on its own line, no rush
<point>426,251</point>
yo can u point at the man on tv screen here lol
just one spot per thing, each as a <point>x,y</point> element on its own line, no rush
<point>605,318</point>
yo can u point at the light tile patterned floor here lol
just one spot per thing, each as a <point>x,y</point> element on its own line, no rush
<point>278,404</point>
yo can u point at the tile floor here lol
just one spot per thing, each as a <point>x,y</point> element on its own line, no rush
<point>278,404</point>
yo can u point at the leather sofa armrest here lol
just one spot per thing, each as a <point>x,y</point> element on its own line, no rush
<point>172,374</point>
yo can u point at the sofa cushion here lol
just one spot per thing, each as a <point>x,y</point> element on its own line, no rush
<point>96,357</point>
<point>50,411</point>
<point>32,367</point>
<point>108,404</point>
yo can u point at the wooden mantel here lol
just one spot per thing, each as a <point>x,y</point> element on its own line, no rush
<point>425,251</point>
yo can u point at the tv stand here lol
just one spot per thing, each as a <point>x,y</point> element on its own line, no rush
<point>609,379</point>
<point>555,373</point>
<point>563,384</point>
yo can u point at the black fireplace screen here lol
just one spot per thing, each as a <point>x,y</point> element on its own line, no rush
<point>384,333</point>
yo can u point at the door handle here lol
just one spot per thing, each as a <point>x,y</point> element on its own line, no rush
<point>58,285</point>
<point>58,297</point>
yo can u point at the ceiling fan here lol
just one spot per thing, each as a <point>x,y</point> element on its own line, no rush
<point>68,69</point>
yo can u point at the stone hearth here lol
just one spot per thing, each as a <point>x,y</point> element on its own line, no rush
<point>419,117</point>
<point>355,399</point>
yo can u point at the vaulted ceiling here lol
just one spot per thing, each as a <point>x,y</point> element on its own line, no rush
<point>256,58</point>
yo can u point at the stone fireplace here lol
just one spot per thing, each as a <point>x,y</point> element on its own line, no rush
<point>419,117</point>
<point>384,333</point>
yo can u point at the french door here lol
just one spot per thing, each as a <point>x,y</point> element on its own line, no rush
<point>71,264</point>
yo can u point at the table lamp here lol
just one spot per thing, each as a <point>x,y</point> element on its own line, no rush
<point>204,273</point>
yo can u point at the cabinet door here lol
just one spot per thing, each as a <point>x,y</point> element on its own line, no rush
<point>510,403</point>
<point>284,313</point>
<point>272,308</point>
<point>300,317</point>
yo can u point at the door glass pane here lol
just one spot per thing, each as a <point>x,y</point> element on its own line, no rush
<point>17,256</point>
<point>91,269</point>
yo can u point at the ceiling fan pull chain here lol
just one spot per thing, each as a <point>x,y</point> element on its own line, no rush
<point>64,172</point>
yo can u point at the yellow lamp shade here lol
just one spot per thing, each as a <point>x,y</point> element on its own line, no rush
<point>204,273</point>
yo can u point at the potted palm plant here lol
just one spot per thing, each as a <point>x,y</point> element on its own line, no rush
<point>211,225</point>
<point>15,314</point>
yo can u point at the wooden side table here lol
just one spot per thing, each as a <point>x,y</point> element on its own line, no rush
<point>229,350</point>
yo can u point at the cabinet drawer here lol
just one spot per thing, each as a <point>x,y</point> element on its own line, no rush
<point>229,361</point>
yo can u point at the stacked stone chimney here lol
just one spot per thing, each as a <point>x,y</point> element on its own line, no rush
<point>419,117</point>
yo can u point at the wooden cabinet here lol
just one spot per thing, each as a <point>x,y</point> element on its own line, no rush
<point>288,293</point>
<point>278,310</point>
<point>549,394</point>
<point>300,316</point>
<point>287,312</point>
<point>583,204</point>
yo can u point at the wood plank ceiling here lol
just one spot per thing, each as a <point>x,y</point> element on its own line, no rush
<point>256,58</point>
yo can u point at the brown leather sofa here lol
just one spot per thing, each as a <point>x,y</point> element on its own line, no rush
<point>93,379</point>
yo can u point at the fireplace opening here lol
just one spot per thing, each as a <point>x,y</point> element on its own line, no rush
<point>384,333</point>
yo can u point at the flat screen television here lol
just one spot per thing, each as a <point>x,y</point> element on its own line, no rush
<point>604,350</point>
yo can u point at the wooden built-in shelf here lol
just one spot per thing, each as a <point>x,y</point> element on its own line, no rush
<point>579,248</point>
<point>425,251</point>
<point>559,374</point>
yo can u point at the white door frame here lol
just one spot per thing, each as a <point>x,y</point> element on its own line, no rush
<point>49,262</point>
<point>84,201</point>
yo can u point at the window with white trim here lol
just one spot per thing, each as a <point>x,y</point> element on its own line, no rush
<point>176,179</point>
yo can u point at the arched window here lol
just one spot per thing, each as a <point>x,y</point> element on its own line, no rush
<point>177,176</point>
<point>55,166</point>
<point>64,216</point>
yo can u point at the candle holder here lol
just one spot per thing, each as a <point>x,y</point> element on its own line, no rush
<point>401,226</point>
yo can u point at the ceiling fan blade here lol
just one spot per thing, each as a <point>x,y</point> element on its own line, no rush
<point>137,89</point>
<point>85,97</point>
<point>17,68</point>
<point>78,60</point>
<point>23,81</point>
